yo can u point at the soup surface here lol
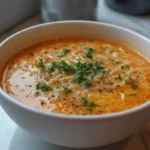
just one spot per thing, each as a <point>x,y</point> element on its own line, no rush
<point>78,76</point>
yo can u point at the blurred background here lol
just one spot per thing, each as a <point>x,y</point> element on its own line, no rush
<point>16,15</point>
<point>132,14</point>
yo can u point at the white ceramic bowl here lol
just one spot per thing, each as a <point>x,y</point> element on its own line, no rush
<point>66,130</point>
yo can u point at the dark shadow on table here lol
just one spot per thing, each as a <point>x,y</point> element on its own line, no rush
<point>26,141</point>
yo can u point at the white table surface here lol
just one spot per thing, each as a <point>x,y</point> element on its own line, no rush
<point>14,138</point>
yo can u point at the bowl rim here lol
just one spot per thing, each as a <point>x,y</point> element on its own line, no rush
<point>131,111</point>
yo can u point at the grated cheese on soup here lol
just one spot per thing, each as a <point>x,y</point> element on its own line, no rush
<point>78,76</point>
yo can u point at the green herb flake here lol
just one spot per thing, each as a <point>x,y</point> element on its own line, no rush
<point>40,64</point>
<point>83,72</point>
<point>64,67</point>
<point>61,66</point>
<point>132,84</point>
<point>89,53</point>
<point>67,90</point>
<point>86,82</point>
<point>116,62</point>
<point>42,86</point>
<point>83,100</point>
<point>92,104</point>
<point>119,77</point>
<point>37,93</point>
<point>63,53</point>
<point>53,67</point>
<point>99,68</point>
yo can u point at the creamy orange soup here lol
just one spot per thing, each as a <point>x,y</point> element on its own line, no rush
<point>78,76</point>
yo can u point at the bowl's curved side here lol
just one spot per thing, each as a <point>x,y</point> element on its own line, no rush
<point>74,131</point>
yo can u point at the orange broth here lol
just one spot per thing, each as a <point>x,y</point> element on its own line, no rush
<point>78,76</point>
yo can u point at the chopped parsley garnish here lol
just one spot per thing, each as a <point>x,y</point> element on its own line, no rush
<point>61,66</point>
<point>40,64</point>
<point>132,84</point>
<point>86,82</point>
<point>64,67</point>
<point>42,86</point>
<point>89,52</point>
<point>63,53</point>
<point>116,62</point>
<point>83,72</point>
<point>37,93</point>
<point>119,77</point>
<point>67,90</point>
<point>53,67</point>
<point>84,101</point>
<point>92,104</point>
<point>100,68</point>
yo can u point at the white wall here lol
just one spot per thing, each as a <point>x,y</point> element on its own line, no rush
<point>14,11</point>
